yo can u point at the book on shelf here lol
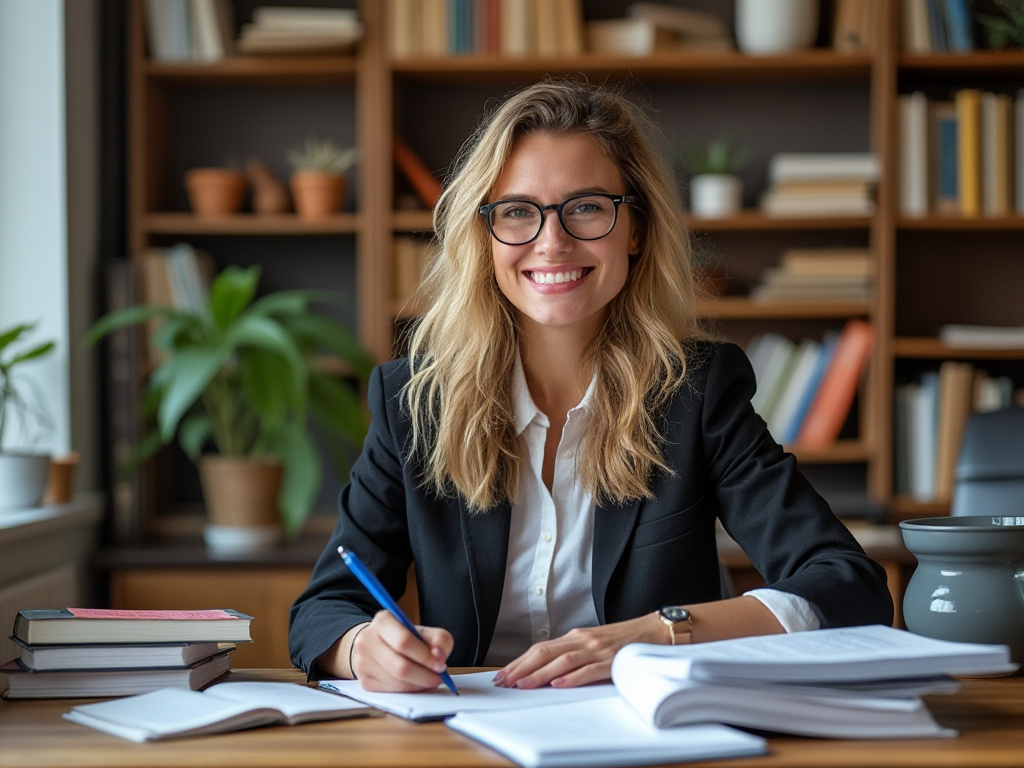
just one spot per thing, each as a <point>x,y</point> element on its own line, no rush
<point>937,26</point>
<point>956,395</point>
<point>828,262</point>
<point>810,389</point>
<point>853,26</point>
<point>959,24</point>
<point>943,132</point>
<point>189,30</point>
<point>967,102</point>
<point>684,28</point>
<point>280,29</point>
<point>913,156</point>
<point>91,683</point>
<point>173,713</point>
<point>916,34</point>
<point>923,428</point>
<point>416,172</point>
<point>772,357</point>
<point>856,682</point>
<point>410,258</point>
<point>835,396</point>
<point>996,154</point>
<point>1018,151</point>
<point>958,335</point>
<point>818,166</point>
<point>601,732</point>
<point>805,362</point>
<point>43,658</point>
<point>99,625</point>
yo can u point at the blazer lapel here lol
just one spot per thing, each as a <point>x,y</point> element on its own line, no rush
<point>612,528</point>
<point>486,538</point>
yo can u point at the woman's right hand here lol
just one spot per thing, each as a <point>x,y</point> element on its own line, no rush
<point>386,656</point>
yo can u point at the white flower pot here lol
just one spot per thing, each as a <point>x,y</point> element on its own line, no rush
<point>23,479</point>
<point>715,195</point>
<point>765,27</point>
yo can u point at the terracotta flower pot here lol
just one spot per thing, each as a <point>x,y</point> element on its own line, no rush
<point>241,496</point>
<point>215,191</point>
<point>317,194</point>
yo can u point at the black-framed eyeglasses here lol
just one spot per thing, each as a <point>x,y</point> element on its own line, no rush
<point>585,217</point>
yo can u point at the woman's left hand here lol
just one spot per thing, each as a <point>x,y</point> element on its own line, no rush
<point>579,657</point>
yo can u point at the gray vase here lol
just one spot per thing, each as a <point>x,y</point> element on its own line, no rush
<point>969,582</point>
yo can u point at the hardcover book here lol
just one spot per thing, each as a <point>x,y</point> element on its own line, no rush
<point>92,625</point>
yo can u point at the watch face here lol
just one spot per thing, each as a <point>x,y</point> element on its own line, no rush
<point>675,613</point>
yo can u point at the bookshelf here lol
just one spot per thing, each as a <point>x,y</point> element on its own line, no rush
<point>930,270</point>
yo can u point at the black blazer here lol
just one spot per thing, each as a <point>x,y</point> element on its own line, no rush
<point>646,554</point>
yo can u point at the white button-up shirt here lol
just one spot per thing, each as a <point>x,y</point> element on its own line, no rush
<point>549,573</point>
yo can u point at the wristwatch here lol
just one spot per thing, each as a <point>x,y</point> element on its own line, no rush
<point>679,622</point>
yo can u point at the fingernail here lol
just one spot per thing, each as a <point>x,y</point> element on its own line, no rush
<point>499,678</point>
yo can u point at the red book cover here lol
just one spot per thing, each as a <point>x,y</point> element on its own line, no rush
<point>832,403</point>
<point>415,170</point>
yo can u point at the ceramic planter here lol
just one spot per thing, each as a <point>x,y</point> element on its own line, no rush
<point>23,479</point>
<point>715,195</point>
<point>967,584</point>
<point>767,27</point>
<point>241,495</point>
<point>215,192</point>
<point>317,194</point>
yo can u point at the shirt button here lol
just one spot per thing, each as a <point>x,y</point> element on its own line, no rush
<point>547,538</point>
<point>540,590</point>
<point>567,455</point>
<point>543,633</point>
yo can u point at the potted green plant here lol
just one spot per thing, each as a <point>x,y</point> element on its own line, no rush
<point>23,472</point>
<point>716,189</point>
<point>1007,27</point>
<point>242,376</point>
<point>318,176</point>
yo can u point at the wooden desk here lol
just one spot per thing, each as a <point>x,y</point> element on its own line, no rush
<point>988,713</point>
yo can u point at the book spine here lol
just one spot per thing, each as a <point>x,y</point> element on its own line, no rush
<point>831,406</point>
<point>913,116</point>
<point>123,383</point>
<point>416,172</point>
<point>959,25</point>
<point>968,116</point>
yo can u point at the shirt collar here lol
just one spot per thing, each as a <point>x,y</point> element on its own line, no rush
<point>526,409</point>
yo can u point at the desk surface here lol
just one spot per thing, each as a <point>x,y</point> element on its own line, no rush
<point>988,713</point>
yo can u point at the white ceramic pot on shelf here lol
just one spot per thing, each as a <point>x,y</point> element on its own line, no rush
<point>767,27</point>
<point>715,195</point>
<point>23,479</point>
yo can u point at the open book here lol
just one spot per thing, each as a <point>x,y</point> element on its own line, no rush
<point>171,713</point>
<point>859,682</point>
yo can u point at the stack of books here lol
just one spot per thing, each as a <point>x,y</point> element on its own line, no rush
<point>82,652</point>
<point>821,184</point>
<point>818,274</point>
<point>300,30</point>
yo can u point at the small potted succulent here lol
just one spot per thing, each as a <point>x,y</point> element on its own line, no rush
<point>716,190</point>
<point>318,177</point>
<point>23,472</point>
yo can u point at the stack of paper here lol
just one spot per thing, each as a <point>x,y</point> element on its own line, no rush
<point>821,184</point>
<point>860,682</point>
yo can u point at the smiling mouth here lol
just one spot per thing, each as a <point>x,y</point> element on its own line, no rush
<point>555,278</point>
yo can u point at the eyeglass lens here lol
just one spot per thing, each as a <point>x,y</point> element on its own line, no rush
<point>587,217</point>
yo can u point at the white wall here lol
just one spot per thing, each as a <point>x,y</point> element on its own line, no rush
<point>42,279</point>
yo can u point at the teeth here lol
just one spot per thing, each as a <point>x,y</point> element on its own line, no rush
<point>551,278</point>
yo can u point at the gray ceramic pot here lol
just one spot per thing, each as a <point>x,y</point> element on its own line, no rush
<point>969,582</point>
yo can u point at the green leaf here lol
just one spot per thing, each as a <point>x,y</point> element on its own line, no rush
<point>323,332</point>
<point>31,354</point>
<point>11,335</point>
<point>124,317</point>
<point>194,432</point>
<point>231,292</point>
<point>301,478</point>
<point>182,380</point>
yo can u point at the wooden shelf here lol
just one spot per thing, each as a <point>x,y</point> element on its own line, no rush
<point>250,224</point>
<point>1010,62</point>
<point>251,71</point>
<point>930,348</point>
<point>676,66</point>
<point>960,224</point>
<point>840,452</point>
<point>744,308</point>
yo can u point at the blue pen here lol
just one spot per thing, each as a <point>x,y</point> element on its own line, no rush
<point>381,596</point>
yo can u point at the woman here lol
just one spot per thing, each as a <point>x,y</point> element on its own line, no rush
<point>555,450</point>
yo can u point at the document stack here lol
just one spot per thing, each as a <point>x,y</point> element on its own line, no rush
<point>821,184</point>
<point>848,683</point>
<point>80,652</point>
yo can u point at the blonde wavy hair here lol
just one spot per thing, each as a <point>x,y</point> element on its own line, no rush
<point>463,348</point>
